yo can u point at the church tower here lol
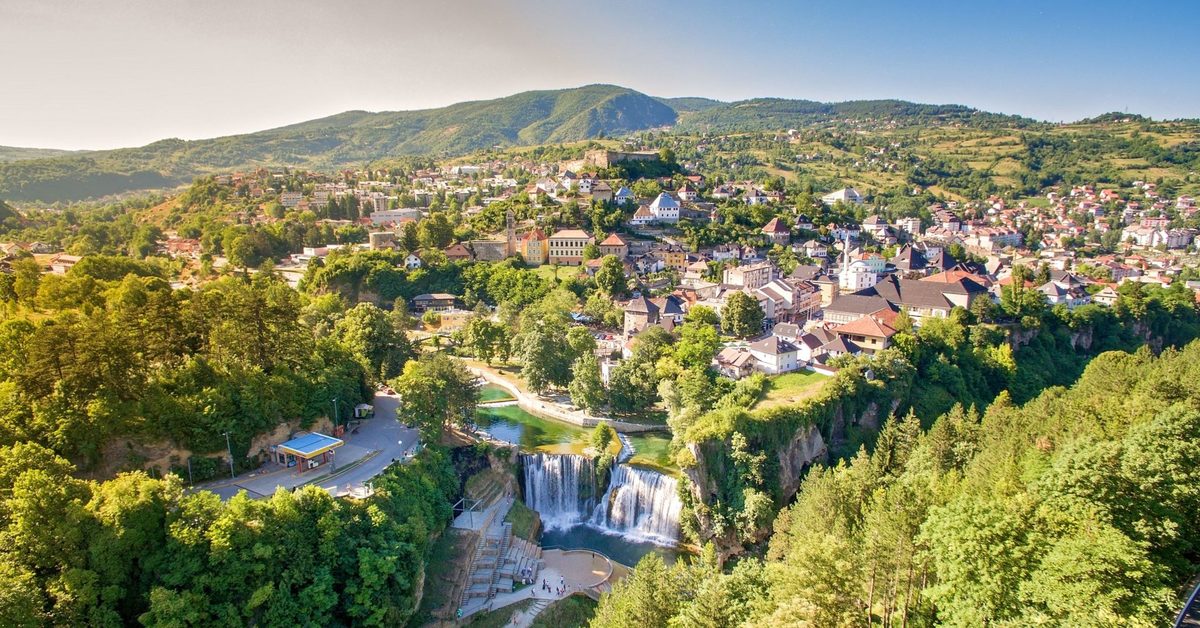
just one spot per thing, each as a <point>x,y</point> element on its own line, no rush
<point>510,234</point>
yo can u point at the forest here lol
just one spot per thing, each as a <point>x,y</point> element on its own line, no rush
<point>1077,508</point>
<point>137,549</point>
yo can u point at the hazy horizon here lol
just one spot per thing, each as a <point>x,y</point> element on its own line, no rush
<point>127,73</point>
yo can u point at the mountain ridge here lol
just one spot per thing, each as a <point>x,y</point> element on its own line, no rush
<point>356,137</point>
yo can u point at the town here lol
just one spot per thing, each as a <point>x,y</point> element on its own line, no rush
<point>410,316</point>
<point>823,282</point>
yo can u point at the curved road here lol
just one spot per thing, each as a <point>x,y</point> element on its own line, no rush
<point>383,434</point>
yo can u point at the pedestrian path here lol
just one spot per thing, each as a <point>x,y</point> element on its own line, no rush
<point>524,619</point>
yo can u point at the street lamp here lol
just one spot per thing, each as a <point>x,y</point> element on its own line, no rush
<point>229,450</point>
<point>335,414</point>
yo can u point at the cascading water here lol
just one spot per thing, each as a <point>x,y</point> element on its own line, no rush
<point>640,503</point>
<point>637,503</point>
<point>562,488</point>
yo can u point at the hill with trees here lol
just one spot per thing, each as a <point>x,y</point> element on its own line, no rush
<point>775,114</point>
<point>17,153</point>
<point>355,138</point>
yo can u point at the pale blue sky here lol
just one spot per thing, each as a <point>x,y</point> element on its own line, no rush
<point>101,74</point>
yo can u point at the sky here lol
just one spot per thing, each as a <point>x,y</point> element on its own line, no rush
<point>110,73</point>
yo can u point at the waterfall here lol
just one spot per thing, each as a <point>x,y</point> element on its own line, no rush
<point>562,488</point>
<point>637,503</point>
<point>640,503</point>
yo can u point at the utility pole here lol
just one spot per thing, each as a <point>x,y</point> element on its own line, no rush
<point>229,450</point>
<point>335,414</point>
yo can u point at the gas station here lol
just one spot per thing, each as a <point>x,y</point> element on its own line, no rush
<point>308,451</point>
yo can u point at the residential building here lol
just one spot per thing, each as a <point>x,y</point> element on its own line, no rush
<point>643,216</point>
<point>642,312</point>
<point>601,191</point>
<point>777,232</point>
<point>849,196</point>
<point>774,355</point>
<point>437,302</point>
<point>290,199</point>
<point>458,252</point>
<point>665,208</point>
<point>379,240</point>
<point>750,276</point>
<point>534,248</point>
<point>614,245</point>
<point>62,263</point>
<point>735,362</point>
<point>566,247</point>
<point>869,332</point>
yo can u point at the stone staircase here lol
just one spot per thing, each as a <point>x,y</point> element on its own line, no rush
<point>533,611</point>
<point>499,560</point>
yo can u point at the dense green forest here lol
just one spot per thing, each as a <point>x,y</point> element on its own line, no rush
<point>1077,508</point>
<point>775,114</point>
<point>137,549</point>
<point>110,350</point>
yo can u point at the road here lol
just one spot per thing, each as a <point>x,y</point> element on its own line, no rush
<point>383,434</point>
<point>379,441</point>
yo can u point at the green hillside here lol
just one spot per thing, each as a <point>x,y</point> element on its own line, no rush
<point>688,104</point>
<point>17,153</point>
<point>352,137</point>
<point>772,114</point>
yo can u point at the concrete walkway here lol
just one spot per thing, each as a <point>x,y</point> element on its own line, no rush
<point>566,572</point>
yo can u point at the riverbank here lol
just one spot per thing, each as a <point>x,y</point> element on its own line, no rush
<point>555,409</point>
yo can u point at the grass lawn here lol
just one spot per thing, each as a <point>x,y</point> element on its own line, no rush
<point>653,449</point>
<point>791,388</point>
<point>523,520</point>
<point>571,612</point>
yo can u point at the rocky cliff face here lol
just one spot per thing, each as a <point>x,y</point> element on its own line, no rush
<point>805,446</point>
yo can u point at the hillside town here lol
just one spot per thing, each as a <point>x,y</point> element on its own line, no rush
<point>862,314</point>
<point>826,285</point>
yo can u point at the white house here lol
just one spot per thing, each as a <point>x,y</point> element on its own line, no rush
<point>412,261</point>
<point>849,196</point>
<point>665,208</point>
<point>643,216</point>
<point>624,195</point>
<point>774,355</point>
<point>755,196</point>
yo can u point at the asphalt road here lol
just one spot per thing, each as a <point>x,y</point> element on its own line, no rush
<point>383,433</point>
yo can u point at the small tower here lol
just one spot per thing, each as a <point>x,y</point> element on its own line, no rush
<point>510,234</point>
